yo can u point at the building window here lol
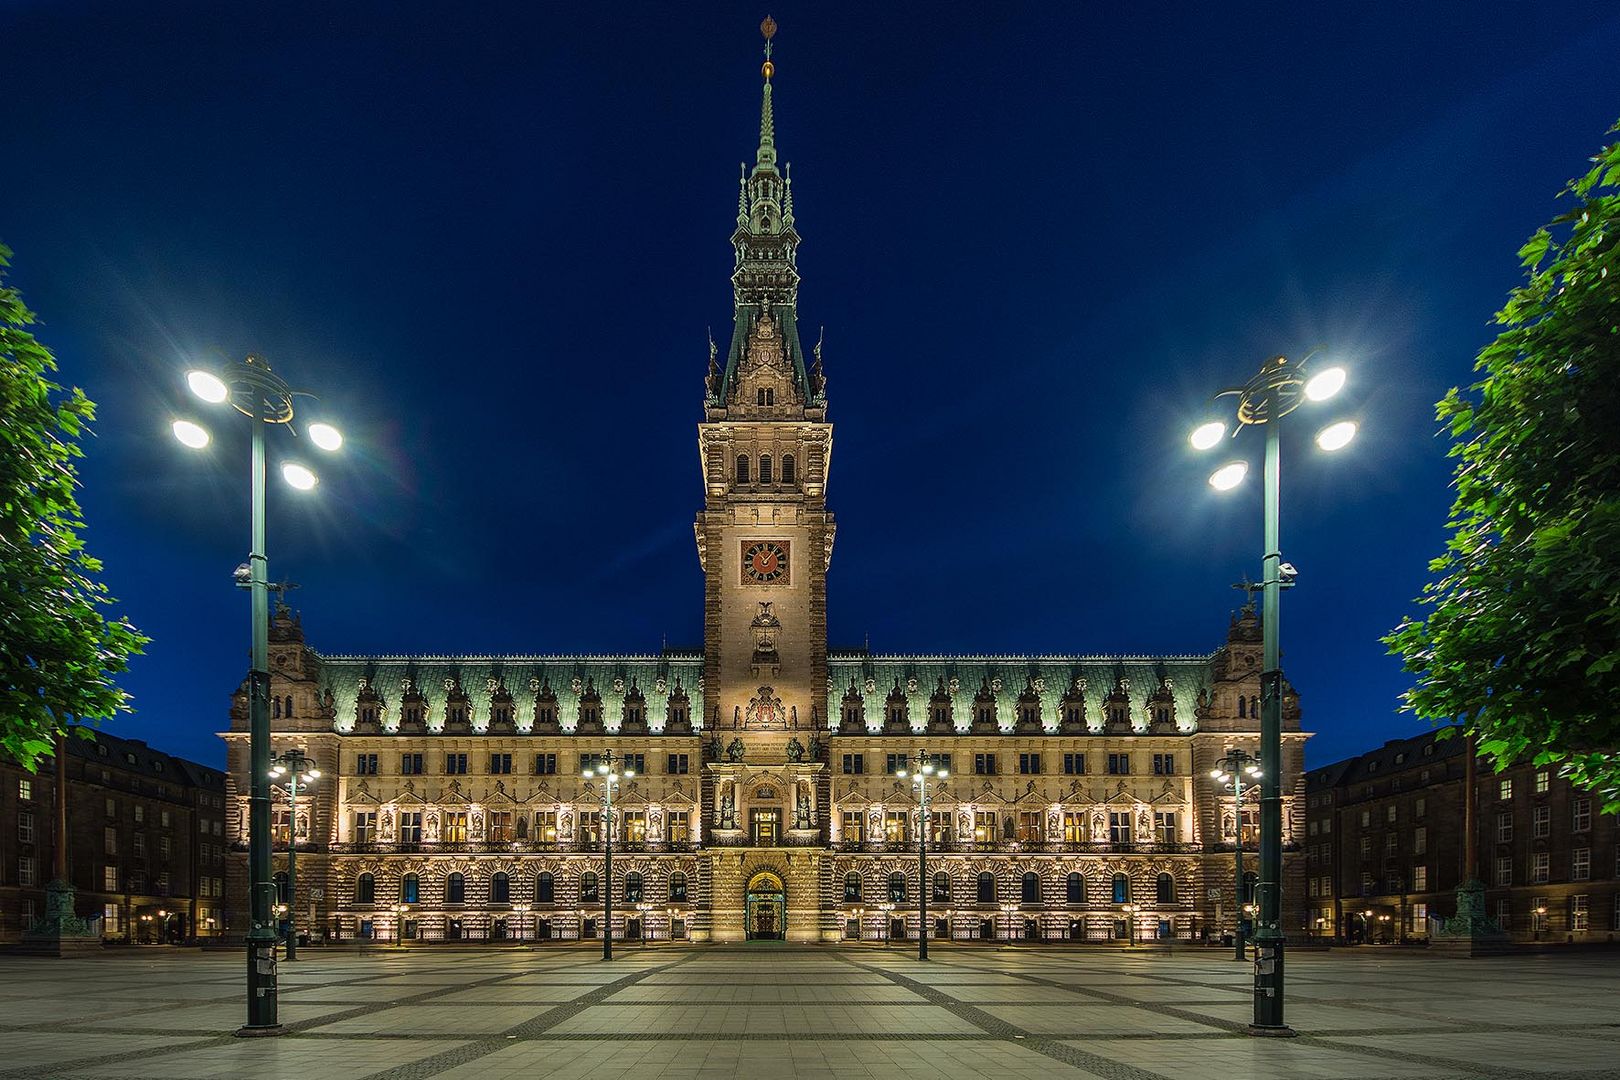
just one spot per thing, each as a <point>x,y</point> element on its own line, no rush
<point>895,829</point>
<point>984,826</point>
<point>1541,822</point>
<point>677,888</point>
<point>1420,879</point>
<point>365,889</point>
<point>1074,827</point>
<point>1580,864</point>
<point>897,887</point>
<point>984,764</point>
<point>1121,889</point>
<point>1029,888</point>
<point>854,764</point>
<point>1074,764</point>
<point>410,889</point>
<point>1581,815</point>
<point>893,763</point>
<point>1543,781</point>
<point>1540,865</point>
<point>1165,889</point>
<point>545,764</point>
<point>852,888</point>
<point>545,888</point>
<point>765,468</point>
<point>1164,764</point>
<point>410,827</point>
<point>1119,764</point>
<point>1420,805</point>
<point>1366,847</point>
<point>25,790</point>
<point>25,870</point>
<point>1580,912</point>
<point>140,813</point>
<point>742,468</point>
<point>109,879</point>
<point>678,827</point>
<point>410,765</point>
<point>1164,826</point>
<point>365,826</point>
<point>1119,827</point>
<point>1389,813</point>
<point>455,827</point>
<point>109,840</point>
<point>854,827</point>
<point>1074,889</point>
<point>1031,826</point>
<point>635,763</point>
<point>679,765</point>
<point>1420,840</point>
<point>985,888</point>
<point>1029,764</point>
<point>787,468</point>
<point>500,764</point>
<point>25,827</point>
<point>500,826</point>
<point>455,889</point>
<point>1504,788</point>
<point>632,888</point>
<point>1504,827</point>
<point>365,764</point>
<point>1538,913</point>
<point>455,764</point>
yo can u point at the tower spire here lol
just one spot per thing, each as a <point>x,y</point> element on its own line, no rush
<point>765,158</point>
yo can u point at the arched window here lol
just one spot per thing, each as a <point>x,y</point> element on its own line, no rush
<point>365,889</point>
<point>1074,889</point>
<point>787,468</point>
<point>587,888</point>
<point>897,887</point>
<point>942,887</point>
<point>1165,889</point>
<point>632,888</point>
<point>455,889</point>
<point>410,889</point>
<point>1250,880</point>
<point>1122,889</point>
<point>764,468</point>
<point>500,889</point>
<point>275,707</point>
<point>852,888</point>
<point>766,395</point>
<point>1030,888</point>
<point>286,710</point>
<point>677,888</point>
<point>987,888</point>
<point>283,888</point>
<point>1243,707</point>
<point>742,468</point>
<point>545,889</point>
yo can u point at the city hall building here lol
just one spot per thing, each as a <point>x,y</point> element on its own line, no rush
<point>1079,804</point>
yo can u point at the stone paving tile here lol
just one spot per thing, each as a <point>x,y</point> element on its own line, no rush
<point>1498,1050</point>
<point>1241,1057</point>
<point>21,1048</point>
<point>273,1058</point>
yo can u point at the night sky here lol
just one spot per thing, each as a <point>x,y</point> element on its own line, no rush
<point>1038,237</point>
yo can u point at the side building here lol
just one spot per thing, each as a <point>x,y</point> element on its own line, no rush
<point>1384,847</point>
<point>145,842</point>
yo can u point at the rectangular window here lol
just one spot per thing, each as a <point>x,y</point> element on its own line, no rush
<point>500,826</point>
<point>678,765</point>
<point>1580,912</point>
<point>1164,764</point>
<point>1366,883</point>
<point>1420,807</point>
<point>984,827</point>
<point>1504,913</point>
<point>1389,813</point>
<point>410,827</point>
<point>1327,826</point>
<point>895,826</point>
<point>163,883</point>
<point>939,826</point>
<point>1164,826</point>
<point>455,764</point>
<point>545,826</point>
<point>112,810</point>
<point>455,827</point>
<point>365,826</point>
<point>1074,828</point>
<point>1538,913</point>
<point>1031,826</point>
<point>984,764</point>
<point>365,764</point>
<point>25,827</point>
<point>1580,864</point>
<point>1420,840</point>
<point>1504,788</point>
<point>680,827</point>
<point>109,879</point>
<point>500,764</point>
<point>163,819</point>
<point>1029,764</point>
<point>1540,867</point>
<point>1420,918</point>
<point>1366,818</point>
<point>1420,879</point>
<point>109,840</point>
<point>1541,822</point>
<point>140,813</point>
<point>1504,869</point>
<point>636,763</point>
<point>410,765</point>
<point>25,870</point>
<point>1581,815</point>
<point>1119,827</point>
<point>1074,764</point>
<point>588,763</point>
<point>853,827</point>
<point>109,918</point>
<point>1366,847</point>
<point>1504,827</point>
<point>25,790</point>
<point>854,764</point>
<point>1392,843</point>
<point>1310,827</point>
<point>1119,764</point>
<point>635,826</point>
<point>545,764</point>
<point>163,847</point>
<point>893,763</point>
<point>941,761</point>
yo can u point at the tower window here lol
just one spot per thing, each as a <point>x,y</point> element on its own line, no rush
<point>764,468</point>
<point>787,468</point>
<point>766,396</point>
<point>742,468</point>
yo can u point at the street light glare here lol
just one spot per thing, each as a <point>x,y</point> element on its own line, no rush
<point>1229,476</point>
<point>1207,436</point>
<point>1325,383</point>
<point>299,476</point>
<point>325,436</point>
<point>192,435</point>
<point>1336,436</point>
<point>208,386</point>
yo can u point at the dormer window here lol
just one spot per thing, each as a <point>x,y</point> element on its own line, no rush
<point>766,396</point>
<point>742,468</point>
<point>764,468</point>
<point>787,469</point>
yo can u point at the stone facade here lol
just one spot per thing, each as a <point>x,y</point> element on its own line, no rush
<point>765,801</point>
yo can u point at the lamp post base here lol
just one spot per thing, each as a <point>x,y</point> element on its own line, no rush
<point>246,1032</point>
<point>1281,1031</point>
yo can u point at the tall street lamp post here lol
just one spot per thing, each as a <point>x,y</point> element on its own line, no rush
<point>608,773</point>
<point>1280,387</point>
<point>922,772</point>
<point>298,768</point>
<point>1234,767</point>
<point>265,398</point>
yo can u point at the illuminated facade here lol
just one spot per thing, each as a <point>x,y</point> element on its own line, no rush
<point>765,803</point>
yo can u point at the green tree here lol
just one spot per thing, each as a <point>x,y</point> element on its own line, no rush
<point>59,651</point>
<point>1520,634</point>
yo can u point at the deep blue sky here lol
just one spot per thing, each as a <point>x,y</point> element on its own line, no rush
<point>1038,236</point>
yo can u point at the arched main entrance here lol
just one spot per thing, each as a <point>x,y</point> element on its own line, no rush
<point>765,908</point>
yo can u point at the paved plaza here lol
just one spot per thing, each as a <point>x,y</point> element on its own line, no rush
<point>807,1011</point>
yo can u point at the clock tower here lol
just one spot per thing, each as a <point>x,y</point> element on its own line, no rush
<point>764,536</point>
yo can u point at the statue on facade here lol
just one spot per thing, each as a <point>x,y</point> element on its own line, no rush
<point>735,750</point>
<point>801,807</point>
<point>727,813</point>
<point>795,751</point>
<point>814,753</point>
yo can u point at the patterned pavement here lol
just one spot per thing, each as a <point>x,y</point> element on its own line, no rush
<point>808,1011</point>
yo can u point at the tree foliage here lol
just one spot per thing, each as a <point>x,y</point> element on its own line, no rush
<point>59,650</point>
<point>1520,636</point>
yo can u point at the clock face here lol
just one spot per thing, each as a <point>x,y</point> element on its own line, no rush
<point>765,562</point>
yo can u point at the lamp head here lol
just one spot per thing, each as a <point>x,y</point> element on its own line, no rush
<point>1229,476</point>
<point>1325,383</point>
<point>1208,435</point>
<point>208,386</point>
<point>190,434</point>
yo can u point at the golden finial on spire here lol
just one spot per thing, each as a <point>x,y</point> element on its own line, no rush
<point>768,30</point>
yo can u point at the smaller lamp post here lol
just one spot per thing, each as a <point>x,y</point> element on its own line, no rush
<point>297,767</point>
<point>400,911</point>
<point>1236,767</point>
<point>922,772</point>
<point>520,910</point>
<point>888,922</point>
<point>1130,911</point>
<point>608,771</point>
<point>1008,910</point>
